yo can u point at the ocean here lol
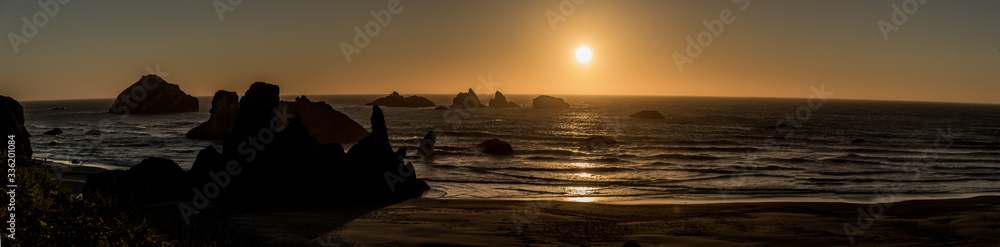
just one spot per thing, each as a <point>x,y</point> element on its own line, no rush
<point>706,148</point>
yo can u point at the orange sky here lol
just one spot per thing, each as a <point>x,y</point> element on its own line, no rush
<point>945,51</point>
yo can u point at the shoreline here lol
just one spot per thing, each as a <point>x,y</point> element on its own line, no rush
<point>490,222</point>
<point>971,221</point>
<point>74,174</point>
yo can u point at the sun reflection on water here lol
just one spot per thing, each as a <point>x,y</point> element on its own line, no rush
<point>582,199</point>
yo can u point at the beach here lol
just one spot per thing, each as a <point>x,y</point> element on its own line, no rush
<point>437,222</point>
<point>971,221</point>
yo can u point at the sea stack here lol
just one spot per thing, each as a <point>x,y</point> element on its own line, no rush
<point>466,100</point>
<point>152,95</point>
<point>647,114</point>
<point>496,147</point>
<point>500,101</point>
<point>396,100</point>
<point>548,102</point>
<point>224,107</point>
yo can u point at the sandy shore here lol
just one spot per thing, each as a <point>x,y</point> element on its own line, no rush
<point>437,222</point>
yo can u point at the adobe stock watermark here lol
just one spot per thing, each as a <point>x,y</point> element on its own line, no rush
<point>786,127</point>
<point>704,39</point>
<point>898,17</point>
<point>885,199</point>
<point>40,19</point>
<point>363,37</point>
<point>248,150</point>
<point>566,8</point>
<point>223,6</point>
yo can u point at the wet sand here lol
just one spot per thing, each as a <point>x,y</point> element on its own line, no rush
<point>423,222</point>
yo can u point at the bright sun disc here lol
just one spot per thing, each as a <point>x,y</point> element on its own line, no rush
<point>583,54</point>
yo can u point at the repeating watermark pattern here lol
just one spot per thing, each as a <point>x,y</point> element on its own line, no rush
<point>363,36</point>
<point>786,127</point>
<point>248,150</point>
<point>565,8</point>
<point>898,17</point>
<point>223,6</point>
<point>696,45</point>
<point>885,199</point>
<point>38,20</point>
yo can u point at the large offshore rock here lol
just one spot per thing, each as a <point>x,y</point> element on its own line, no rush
<point>548,102</point>
<point>466,100</point>
<point>396,100</point>
<point>152,95</point>
<point>500,101</point>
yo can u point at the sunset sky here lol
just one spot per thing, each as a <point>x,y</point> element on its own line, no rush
<point>945,50</point>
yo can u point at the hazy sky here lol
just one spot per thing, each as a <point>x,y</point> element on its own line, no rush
<point>944,51</point>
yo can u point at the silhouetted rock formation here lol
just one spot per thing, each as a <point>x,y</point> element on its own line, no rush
<point>648,114</point>
<point>396,100</point>
<point>466,100</point>
<point>856,141</point>
<point>496,147</point>
<point>152,180</point>
<point>548,102</point>
<point>93,132</point>
<point>499,101</point>
<point>54,132</point>
<point>152,95</point>
<point>270,151</point>
<point>325,123</point>
<point>224,107</point>
<point>426,148</point>
<point>598,143</point>
<point>441,108</point>
<point>631,244</point>
<point>12,123</point>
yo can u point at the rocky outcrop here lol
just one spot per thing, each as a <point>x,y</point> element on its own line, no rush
<point>396,100</point>
<point>466,100</point>
<point>93,132</point>
<point>441,108</point>
<point>12,123</point>
<point>647,114</point>
<point>500,101</point>
<point>548,102</point>
<point>152,95</point>
<point>54,132</point>
<point>152,180</point>
<point>272,151</point>
<point>224,107</point>
<point>325,123</point>
<point>496,147</point>
<point>426,148</point>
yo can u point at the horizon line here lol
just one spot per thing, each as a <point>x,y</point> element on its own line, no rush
<point>591,95</point>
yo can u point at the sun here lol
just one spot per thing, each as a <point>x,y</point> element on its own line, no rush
<point>583,54</point>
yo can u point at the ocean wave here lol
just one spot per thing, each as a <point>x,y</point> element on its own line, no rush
<point>685,157</point>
